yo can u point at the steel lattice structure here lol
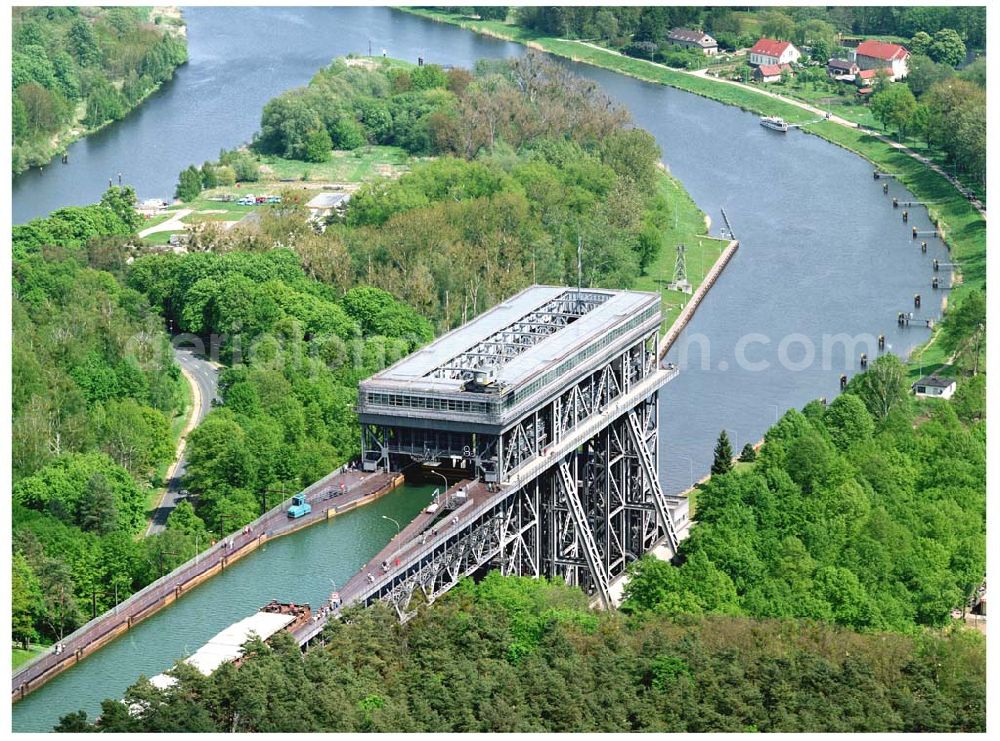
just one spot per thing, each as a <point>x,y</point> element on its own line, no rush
<point>560,445</point>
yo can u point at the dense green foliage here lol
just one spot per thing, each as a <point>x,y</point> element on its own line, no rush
<point>94,389</point>
<point>75,226</point>
<point>518,655</point>
<point>533,160</point>
<point>296,350</point>
<point>869,513</point>
<point>951,119</point>
<point>618,26</point>
<point>82,65</point>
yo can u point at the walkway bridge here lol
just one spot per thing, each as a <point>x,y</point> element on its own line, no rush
<point>546,408</point>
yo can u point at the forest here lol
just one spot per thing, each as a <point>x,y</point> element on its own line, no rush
<point>869,513</point>
<point>95,392</point>
<point>299,318</point>
<point>80,68</point>
<point>814,594</point>
<point>734,28</point>
<point>512,654</point>
<point>527,160</point>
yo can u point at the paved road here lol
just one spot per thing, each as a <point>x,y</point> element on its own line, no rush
<point>203,376</point>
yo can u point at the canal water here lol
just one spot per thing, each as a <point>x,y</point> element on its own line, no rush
<point>823,256</point>
<point>302,567</point>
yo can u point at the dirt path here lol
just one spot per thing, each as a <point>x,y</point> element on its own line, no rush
<point>172,224</point>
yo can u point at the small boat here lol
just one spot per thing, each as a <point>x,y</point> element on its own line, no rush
<point>777,123</point>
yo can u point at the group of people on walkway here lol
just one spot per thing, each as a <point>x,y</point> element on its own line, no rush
<point>58,648</point>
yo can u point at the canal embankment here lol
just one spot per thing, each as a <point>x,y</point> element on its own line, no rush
<point>697,297</point>
<point>962,226</point>
<point>337,493</point>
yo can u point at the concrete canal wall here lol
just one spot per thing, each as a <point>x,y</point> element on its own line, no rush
<point>96,634</point>
<point>696,298</point>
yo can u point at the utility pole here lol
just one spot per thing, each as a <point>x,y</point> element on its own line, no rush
<point>263,497</point>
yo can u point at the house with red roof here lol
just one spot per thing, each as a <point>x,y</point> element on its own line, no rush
<point>770,52</point>
<point>770,72</point>
<point>872,54</point>
<point>867,77</point>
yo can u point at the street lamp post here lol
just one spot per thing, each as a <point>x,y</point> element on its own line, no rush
<point>775,413</point>
<point>396,523</point>
<point>443,478</point>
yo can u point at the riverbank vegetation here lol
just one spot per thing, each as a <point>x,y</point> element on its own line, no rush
<point>523,162</point>
<point>963,228</point>
<point>76,69</point>
<point>869,513</point>
<point>518,655</point>
<point>95,388</point>
<point>813,594</point>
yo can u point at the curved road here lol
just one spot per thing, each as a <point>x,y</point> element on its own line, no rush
<point>203,377</point>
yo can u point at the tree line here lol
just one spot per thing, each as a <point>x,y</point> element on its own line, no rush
<point>103,60</point>
<point>95,389</point>
<point>618,26</point>
<point>945,108</point>
<point>295,351</point>
<point>869,513</point>
<point>530,160</point>
<point>514,654</point>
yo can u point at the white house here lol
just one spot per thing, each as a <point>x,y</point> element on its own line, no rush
<point>694,40</point>
<point>771,52</point>
<point>770,72</point>
<point>872,54</point>
<point>934,387</point>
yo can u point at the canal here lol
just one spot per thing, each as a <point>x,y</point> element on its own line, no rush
<point>302,567</point>
<point>822,255</point>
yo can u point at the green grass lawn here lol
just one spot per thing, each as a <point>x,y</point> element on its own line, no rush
<point>20,656</point>
<point>701,251</point>
<point>146,223</point>
<point>355,166</point>
<point>158,238</point>
<point>232,209</point>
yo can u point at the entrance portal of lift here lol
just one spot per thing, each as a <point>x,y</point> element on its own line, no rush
<point>545,407</point>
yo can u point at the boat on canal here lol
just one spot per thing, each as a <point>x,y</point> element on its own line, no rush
<point>227,646</point>
<point>775,123</point>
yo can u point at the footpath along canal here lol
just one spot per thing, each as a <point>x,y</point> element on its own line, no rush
<point>822,253</point>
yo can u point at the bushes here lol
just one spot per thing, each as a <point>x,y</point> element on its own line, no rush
<point>61,58</point>
<point>518,655</point>
<point>849,514</point>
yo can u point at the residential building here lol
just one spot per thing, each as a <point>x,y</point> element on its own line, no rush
<point>867,77</point>
<point>770,72</point>
<point>770,51</point>
<point>872,54</point>
<point>694,40</point>
<point>842,69</point>
<point>935,387</point>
